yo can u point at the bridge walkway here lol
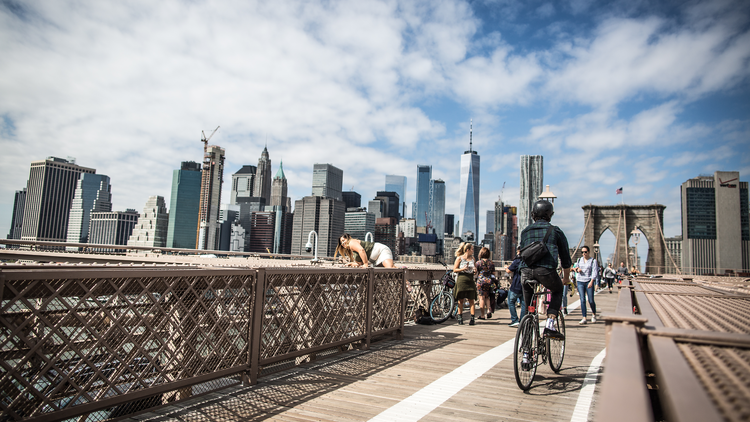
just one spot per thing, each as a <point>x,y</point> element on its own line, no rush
<point>436,373</point>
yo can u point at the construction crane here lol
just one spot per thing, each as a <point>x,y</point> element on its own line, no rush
<point>205,139</point>
<point>428,224</point>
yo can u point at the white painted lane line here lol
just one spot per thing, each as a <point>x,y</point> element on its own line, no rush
<point>583,405</point>
<point>424,401</point>
<point>429,398</point>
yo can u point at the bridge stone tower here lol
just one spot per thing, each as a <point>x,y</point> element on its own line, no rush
<point>621,220</point>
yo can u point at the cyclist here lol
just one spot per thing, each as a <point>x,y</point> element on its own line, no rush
<point>545,271</point>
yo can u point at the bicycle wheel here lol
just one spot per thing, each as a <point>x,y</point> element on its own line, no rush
<point>556,348</point>
<point>525,356</point>
<point>441,306</point>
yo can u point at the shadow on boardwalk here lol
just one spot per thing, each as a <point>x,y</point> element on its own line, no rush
<point>279,392</point>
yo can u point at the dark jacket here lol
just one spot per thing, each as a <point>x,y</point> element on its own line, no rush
<point>515,285</point>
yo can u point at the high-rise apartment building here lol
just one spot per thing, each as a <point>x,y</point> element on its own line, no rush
<point>327,181</point>
<point>243,183</point>
<point>394,183</point>
<point>184,206</point>
<point>532,183</point>
<point>359,223</point>
<point>16,223</point>
<point>715,224</point>
<point>49,195</point>
<point>112,228</point>
<point>279,188</point>
<point>408,226</point>
<point>437,211</point>
<point>93,194</point>
<point>228,215</point>
<point>469,191</point>
<point>210,200</point>
<point>323,215</point>
<point>424,175</point>
<point>352,199</point>
<point>151,228</point>
<point>262,186</point>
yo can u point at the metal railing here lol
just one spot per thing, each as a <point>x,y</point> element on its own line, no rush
<point>109,341</point>
<point>669,357</point>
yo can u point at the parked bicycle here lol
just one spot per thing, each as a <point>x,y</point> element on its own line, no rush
<point>530,345</point>
<point>443,306</point>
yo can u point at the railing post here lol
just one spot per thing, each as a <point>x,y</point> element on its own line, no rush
<point>256,325</point>
<point>402,314</point>
<point>369,312</point>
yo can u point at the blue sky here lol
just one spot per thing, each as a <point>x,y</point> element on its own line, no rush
<point>633,94</point>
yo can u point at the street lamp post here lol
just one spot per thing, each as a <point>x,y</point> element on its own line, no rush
<point>308,246</point>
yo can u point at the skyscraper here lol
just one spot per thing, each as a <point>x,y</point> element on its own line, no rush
<point>391,201</point>
<point>243,183</point>
<point>49,195</point>
<point>490,227</point>
<point>394,183</point>
<point>359,223</point>
<point>151,228</point>
<point>112,228</point>
<point>92,195</point>
<point>325,216</point>
<point>327,181</point>
<point>437,211</point>
<point>279,188</point>
<point>469,190</point>
<point>449,224</point>
<point>19,202</point>
<point>262,186</point>
<point>184,206</point>
<point>352,199</point>
<point>715,224</point>
<point>424,175</point>
<point>532,183</point>
<point>211,181</point>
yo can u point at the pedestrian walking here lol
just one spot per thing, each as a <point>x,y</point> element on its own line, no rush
<point>515,293</point>
<point>485,275</point>
<point>465,287</point>
<point>588,269</point>
<point>609,276</point>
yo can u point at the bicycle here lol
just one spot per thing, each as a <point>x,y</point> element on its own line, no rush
<point>443,306</point>
<point>529,345</point>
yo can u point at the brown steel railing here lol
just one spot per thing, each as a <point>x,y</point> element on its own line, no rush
<point>108,341</point>
<point>675,353</point>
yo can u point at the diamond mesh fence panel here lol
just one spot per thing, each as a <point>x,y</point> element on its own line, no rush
<point>71,339</point>
<point>308,309</point>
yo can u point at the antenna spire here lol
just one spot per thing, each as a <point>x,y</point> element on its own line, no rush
<point>471,131</point>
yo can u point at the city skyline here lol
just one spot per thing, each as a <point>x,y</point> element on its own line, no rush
<point>650,94</point>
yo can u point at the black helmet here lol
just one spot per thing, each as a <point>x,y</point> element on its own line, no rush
<point>542,210</point>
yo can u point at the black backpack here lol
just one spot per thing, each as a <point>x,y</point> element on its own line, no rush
<point>422,317</point>
<point>535,251</point>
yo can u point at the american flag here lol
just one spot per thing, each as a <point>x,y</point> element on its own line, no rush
<point>619,191</point>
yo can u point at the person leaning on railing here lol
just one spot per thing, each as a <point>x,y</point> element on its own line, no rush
<point>362,253</point>
<point>544,271</point>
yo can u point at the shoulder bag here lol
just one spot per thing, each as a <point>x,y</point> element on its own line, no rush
<point>535,251</point>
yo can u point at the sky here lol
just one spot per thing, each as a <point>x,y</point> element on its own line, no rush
<point>641,95</point>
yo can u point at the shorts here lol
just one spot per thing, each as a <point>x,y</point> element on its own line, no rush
<point>380,253</point>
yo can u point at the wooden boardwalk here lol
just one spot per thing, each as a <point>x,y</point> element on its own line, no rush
<point>360,385</point>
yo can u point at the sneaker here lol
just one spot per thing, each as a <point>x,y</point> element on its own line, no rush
<point>513,324</point>
<point>565,311</point>
<point>554,334</point>
<point>481,317</point>
<point>489,315</point>
<point>593,319</point>
<point>471,322</point>
<point>460,319</point>
<point>582,321</point>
